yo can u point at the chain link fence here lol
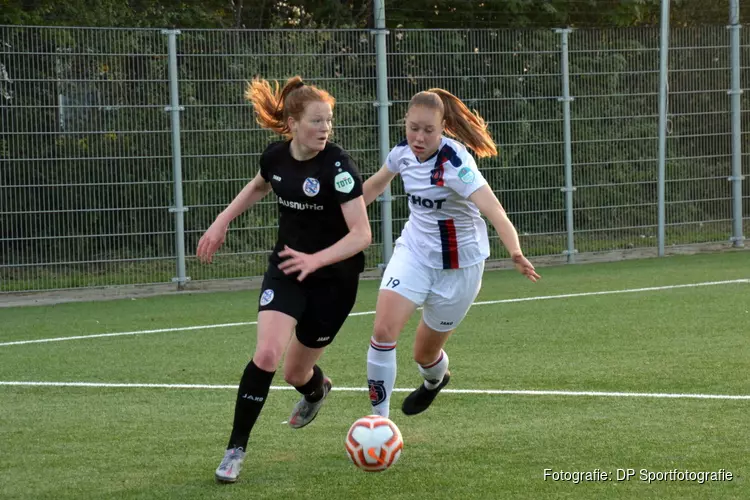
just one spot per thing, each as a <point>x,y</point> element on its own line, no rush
<point>95,189</point>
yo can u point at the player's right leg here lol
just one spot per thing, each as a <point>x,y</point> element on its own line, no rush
<point>277,317</point>
<point>404,287</point>
<point>274,331</point>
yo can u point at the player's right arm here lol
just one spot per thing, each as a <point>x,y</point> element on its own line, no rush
<point>376,184</point>
<point>252,193</point>
<point>214,237</point>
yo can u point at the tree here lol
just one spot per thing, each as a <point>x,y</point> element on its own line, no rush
<point>254,14</point>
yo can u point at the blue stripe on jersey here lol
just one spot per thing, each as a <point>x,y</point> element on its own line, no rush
<point>447,154</point>
<point>403,143</point>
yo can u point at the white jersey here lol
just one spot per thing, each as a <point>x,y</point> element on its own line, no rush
<point>445,230</point>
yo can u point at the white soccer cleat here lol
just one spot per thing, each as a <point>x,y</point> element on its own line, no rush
<point>230,465</point>
<point>305,412</point>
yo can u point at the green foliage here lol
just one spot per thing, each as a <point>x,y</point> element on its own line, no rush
<point>252,14</point>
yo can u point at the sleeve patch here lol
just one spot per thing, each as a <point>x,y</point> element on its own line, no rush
<point>344,182</point>
<point>466,175</point>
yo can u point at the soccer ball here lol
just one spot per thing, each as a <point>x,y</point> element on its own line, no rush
<point>374,443</point>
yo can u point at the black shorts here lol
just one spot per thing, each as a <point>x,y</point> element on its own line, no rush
<point>320,306</point>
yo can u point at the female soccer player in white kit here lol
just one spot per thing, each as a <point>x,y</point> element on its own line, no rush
<point>439,259</point>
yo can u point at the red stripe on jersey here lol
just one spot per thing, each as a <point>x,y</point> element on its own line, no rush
<point>449,243</point>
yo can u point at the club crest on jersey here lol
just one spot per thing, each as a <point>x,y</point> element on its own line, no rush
<point>266,297</point>
<point>436,176</point>
<point>311,186</point>
<point>377,391</point>
<point>466,175</point>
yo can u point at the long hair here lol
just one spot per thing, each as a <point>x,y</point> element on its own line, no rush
<point>273,105</point>
<point>460,122</point>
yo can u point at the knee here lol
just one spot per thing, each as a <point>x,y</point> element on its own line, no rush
<point>385,331</point>
<point>266,358</point>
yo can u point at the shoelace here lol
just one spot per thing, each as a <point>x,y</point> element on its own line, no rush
<point>305,410</point>
<point>228,459</point>
<point>308,407</point>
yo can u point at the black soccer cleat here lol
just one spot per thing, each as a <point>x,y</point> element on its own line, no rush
<point>421,399</point>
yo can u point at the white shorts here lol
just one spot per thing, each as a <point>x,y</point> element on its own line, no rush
<point>446,294</point>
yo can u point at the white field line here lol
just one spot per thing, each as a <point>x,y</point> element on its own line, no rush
<point>367,313</point>
<point>363,389</point>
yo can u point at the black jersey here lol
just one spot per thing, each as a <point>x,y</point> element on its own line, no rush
<point>310,194</point>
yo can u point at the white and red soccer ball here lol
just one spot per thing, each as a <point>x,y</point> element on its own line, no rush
<point>374,443</point>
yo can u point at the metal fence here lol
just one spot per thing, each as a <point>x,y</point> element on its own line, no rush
<point>118,147</point>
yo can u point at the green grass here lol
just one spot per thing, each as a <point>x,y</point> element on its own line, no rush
<point>62,442</point>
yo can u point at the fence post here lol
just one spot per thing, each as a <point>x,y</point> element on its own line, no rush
<point>382,104</point>
<point>568,144</point>
<point>663,89</point>
<point>175,109</point>
<point>738,239</point>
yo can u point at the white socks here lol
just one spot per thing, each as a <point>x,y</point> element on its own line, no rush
<point>381,375</point>
<point>434,372</point>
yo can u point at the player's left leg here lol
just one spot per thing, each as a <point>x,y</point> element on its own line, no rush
<point>328,306</point>
<point>432,362</point>
<point>302,372</point>
<point>445,308</point>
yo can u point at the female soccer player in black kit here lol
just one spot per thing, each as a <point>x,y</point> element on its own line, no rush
<point>311,282</point>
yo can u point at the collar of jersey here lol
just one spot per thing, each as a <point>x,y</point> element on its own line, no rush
<point>288,147</point>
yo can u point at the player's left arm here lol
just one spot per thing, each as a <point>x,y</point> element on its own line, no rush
<point>347,185</point>
<point>466,180</point>
<point>357,239</point>
<point>490,207</point>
